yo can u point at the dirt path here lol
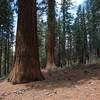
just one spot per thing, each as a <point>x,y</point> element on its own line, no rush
<point>62,84</point>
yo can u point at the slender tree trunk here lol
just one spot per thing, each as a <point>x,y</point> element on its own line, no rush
<point>5,57</point>
<point>51,34</point>
<point>0,56</point>
<point>59,54</point>
<point>63,37</point>
<point>26,66</point>
<point>0,51</point>
<point>8,54</point>
<point>98,52</point>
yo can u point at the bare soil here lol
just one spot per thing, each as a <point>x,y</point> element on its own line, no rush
<point>78,83</point>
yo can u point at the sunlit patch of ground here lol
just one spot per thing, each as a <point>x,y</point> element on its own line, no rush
<point>81,83</point>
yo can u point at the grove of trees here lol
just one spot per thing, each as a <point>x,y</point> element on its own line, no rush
<point>6,36</point>
<point>48,36</point>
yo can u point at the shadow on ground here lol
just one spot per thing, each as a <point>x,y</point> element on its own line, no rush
<point>67,77</point>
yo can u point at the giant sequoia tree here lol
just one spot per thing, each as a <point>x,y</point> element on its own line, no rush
<point>26,67</point>
<point>51,32</point>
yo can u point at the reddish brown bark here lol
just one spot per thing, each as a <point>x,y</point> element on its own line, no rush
<point>51,34</point>
<point>26,67</point>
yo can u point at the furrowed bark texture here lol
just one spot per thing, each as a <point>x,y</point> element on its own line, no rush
<point>26,67</point>
<point>51,34</point>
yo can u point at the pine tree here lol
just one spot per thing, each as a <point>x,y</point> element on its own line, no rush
<point>65,22</point>
<point>6,31</point>
<point>96,21</point>
<point>42,34</point>
<point>80,36</point>
<point>92,10</point>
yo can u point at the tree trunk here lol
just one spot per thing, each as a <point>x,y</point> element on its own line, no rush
<point>5,57</point>
<point>98,52</point>
<point>8,54</point>
<point>51,34</point>
<point>26,66</point>
<point>1,51</point>
<point>0,56</point>
<point>63,36</point>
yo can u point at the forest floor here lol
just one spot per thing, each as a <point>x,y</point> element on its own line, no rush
<point>78,83</point>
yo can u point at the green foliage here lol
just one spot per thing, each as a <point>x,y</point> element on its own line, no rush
<point>81,29</point>
<point>42,34</point>
<point>6,34</point>
<point>76,40</point>
<point>65,39</point>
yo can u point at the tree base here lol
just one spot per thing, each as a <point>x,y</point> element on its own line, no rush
<point>19,77</point>
<point>51,66</point>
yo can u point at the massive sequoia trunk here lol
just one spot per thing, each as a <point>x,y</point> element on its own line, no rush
<point>26,66</point>
<point>51,32</point>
